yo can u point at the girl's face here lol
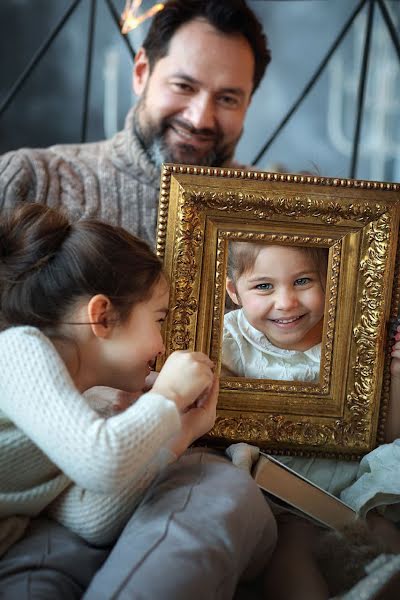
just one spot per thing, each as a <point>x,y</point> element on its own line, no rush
<point>135,344</point>
<point>282,297</point>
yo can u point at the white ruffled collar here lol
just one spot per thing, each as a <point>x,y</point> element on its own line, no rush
<point>260,341</point>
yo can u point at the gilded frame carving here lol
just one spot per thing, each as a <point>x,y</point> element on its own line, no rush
<point>200,210</point>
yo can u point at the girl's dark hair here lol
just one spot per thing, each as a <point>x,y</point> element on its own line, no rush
<point>48,263</point>
<point>227,16</point>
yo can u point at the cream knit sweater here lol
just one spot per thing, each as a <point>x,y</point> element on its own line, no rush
<point>59,456</point>
<point>113,180</point>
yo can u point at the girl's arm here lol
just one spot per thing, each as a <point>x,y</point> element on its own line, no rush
<point>100,518</point>
<point>392,427</point>
<point>101,455</point>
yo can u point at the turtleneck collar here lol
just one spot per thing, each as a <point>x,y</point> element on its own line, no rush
<point>129,155</point>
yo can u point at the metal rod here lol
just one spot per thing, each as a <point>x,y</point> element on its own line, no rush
<point>361,89</point>
<point>115,16</point>
<point>36,58</point>
<point>311,83</point>
<point>88,69</point>
<point>390,26</point>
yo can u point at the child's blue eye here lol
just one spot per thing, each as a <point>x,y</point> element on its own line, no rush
<point>264,286</point>
<point>302,281</point>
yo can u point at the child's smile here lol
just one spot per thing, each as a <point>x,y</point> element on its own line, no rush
<point>288,323</point>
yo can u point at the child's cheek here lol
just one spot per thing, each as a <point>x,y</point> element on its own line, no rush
<point>256,305</point>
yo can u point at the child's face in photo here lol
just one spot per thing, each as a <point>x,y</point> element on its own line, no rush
<point>282,296</point>
<point>136,342</point>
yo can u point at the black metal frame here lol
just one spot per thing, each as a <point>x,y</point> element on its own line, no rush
<point>370,4</point>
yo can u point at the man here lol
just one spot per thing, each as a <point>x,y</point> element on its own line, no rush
<point>204,524</point>
<point>195,75</point>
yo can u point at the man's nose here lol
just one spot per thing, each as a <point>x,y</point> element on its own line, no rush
<point>201,112</point>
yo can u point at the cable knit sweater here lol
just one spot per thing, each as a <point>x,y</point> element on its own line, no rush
<point>59,456</point>
<point>112,180</point>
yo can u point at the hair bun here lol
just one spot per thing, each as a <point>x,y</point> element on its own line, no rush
<point>29,237</point>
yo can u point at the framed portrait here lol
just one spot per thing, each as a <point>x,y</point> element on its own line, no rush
<point>333,245</point>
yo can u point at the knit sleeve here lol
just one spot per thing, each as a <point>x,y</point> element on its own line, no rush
<point>100,455</point>
<point>100,518</point>
<point>17,179</point>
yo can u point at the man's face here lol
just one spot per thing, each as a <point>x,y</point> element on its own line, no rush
<point>193,103</point>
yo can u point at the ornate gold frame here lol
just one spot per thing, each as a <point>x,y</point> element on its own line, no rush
<point>200,209</point>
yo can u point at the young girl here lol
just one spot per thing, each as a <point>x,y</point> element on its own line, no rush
<point>276,334</point>
<point>82,305</point>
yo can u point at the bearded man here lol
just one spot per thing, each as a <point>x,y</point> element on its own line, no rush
<point>194,77</point>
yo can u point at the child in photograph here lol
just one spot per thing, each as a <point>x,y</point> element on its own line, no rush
<point>277,331</point>
<point>82,305</point>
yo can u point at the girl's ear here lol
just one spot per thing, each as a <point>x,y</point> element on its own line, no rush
<point>100,311</point>
<point>141,72</point>
<point>232,293</point>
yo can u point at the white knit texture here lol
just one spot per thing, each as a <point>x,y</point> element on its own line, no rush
<point>50,437</point>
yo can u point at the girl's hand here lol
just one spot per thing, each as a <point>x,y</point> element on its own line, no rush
<point>184,378</point>
<point>197,420</point>
<point>395,363</point>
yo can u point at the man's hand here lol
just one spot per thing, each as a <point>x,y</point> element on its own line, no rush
<point>395,363</point>
<point>392,426</point>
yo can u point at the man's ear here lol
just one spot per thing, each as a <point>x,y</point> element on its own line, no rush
<point>232,293</point>
<point>100,314</point>
<point>141,71</point>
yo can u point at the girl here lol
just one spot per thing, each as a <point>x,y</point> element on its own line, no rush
<point>82,305</point>
<point>276,334</point>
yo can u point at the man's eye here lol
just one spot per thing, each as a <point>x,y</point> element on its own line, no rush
<point>302,281</point>
<point>264,286</point>
<point>229,101</point>
<point>181,87</point>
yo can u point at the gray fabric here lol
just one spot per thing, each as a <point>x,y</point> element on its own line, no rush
<point>201,527</point>
<point>49,563</point>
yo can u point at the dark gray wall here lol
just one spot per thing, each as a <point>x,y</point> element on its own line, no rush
<point>48,108</point>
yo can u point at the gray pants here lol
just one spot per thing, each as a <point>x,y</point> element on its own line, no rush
<point>50,562</point>
<point>201,527</point>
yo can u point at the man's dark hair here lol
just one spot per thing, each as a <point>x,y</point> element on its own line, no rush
<point>227,16</point>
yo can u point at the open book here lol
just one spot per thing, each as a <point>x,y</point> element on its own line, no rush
<point>294,490</point>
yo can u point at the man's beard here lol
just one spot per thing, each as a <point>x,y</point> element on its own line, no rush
<point>153,139</point>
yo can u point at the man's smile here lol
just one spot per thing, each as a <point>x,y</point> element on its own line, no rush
<point>194,138</point>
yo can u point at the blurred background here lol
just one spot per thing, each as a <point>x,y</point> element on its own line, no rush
<point>319,135</point>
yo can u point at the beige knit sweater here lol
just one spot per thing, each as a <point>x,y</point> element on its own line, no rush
<point>59,456</point>
<point>113,180</point>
